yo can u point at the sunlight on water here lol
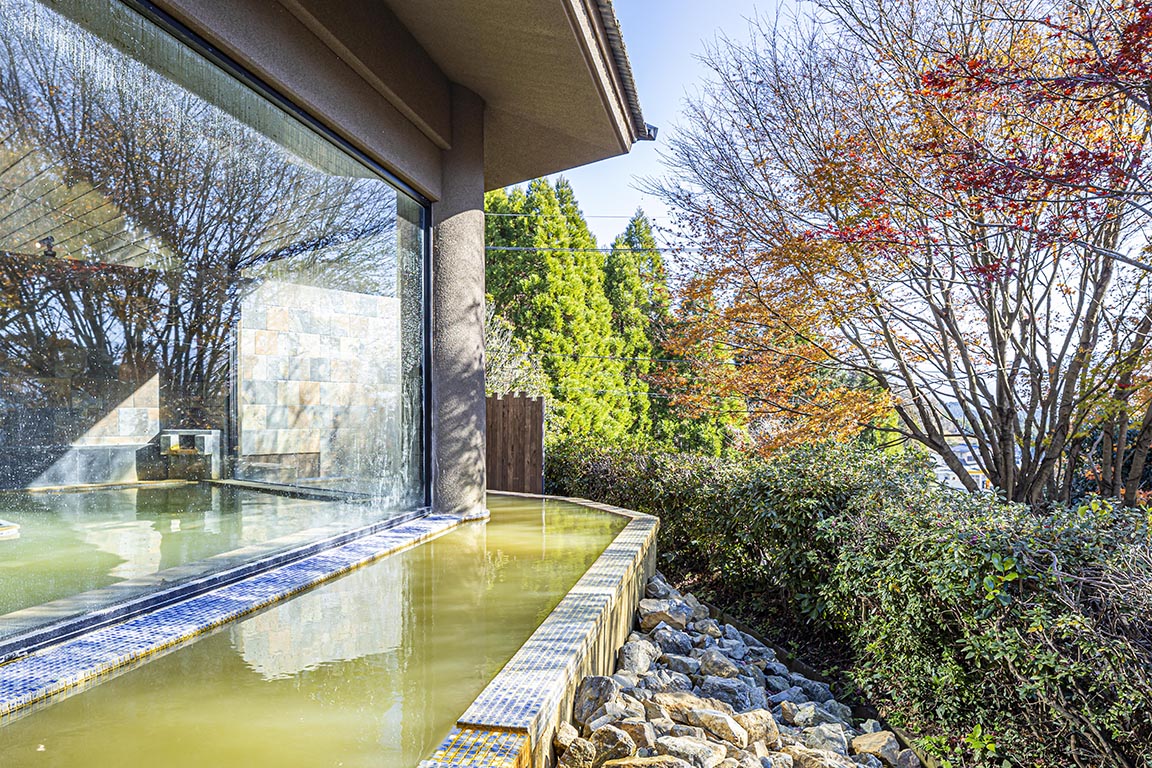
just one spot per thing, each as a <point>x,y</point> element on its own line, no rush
<point>73,542</point>
<point>369,670</point>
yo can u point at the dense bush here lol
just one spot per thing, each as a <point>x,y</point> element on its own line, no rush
<point>1009,636</point>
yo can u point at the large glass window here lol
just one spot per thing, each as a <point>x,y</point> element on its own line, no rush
<point>195,286</point>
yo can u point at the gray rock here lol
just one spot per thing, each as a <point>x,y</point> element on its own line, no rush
<point>626,680</point>
<point>637,656</point>
<point>871,726</point>
<point>592,693</point>
<point>715,663</point>
<point>731,633</point>
<point>658,589</point>
<point>868,761</point>
<point>803,757</point>
<point>611,743</point>
<point>620,708</point>
<point>793,695</point>
<point>776,684</point>
<point>776,668</point>
<point>745,759</point>
<point>699,610</point>
<point>760,726</point>
<point>565,735</point>
<point>776,760</point>
<point>754,643</point>
<point>653,711</point>
<point>699,754</point>
<point>720,725</point>
<point>789,735</point>
<point>675,613</point>
<point>678,703</point>
<point>882,744</point>
<point>733,649</point>
<point>709,627</point>
<point>580,754</point>
<point>685,665</point>
<point>672,641</point>
<point>703,641</point>
<point>818,692</point>
<point>599,721</point>
<point>841,712</point>
<point>757,699</point>
<point>733,692</point>
<point>687,732</point>
<point>641,731</point>
<point>830,737</point>
<point>907,759</point>
<point>806,715</point>
<point>666,681</point>
<point>662,725</point>
<point>648,761</point>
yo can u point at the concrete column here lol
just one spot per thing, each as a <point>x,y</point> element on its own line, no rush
<point>458,475</point>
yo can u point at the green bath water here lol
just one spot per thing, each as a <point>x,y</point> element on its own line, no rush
<point>372,669</point>
<point>74,542</point>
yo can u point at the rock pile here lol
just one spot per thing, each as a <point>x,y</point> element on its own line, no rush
<point>690,692</point>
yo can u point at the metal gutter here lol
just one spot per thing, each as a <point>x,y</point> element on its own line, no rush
<point>641,131</point>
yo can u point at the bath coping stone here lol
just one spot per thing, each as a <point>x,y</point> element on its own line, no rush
<point>511,723</point>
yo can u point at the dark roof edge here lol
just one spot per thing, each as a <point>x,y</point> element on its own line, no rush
<point>640,129</point>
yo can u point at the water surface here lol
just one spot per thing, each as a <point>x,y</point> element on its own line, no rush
<point>75,541</point>
<point>370,670</point>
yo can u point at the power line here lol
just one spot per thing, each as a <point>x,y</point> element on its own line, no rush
<point>675,249</point>
<point>632,359</point>
<point>563,216</point>
<point>642,393</point>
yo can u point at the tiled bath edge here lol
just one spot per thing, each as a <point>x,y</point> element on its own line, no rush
<point>55,632</point>
<point>511,722</point>
<point>74,664</point>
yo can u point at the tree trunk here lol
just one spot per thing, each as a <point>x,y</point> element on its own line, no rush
<point>1139,457</point>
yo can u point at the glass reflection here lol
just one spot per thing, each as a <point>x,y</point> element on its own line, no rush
<point>192,283</point>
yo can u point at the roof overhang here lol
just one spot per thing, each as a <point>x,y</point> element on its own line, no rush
<point>553,74</point>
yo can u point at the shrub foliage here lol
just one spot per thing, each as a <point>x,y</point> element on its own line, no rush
<point>1006,635</point>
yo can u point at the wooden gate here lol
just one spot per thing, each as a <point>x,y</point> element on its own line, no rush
<point>515,448</point>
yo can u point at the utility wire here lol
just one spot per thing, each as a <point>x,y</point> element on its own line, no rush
<point>639,393</point>
<point>563,216</point>
<point>632,359</point>
<point>675,249</point>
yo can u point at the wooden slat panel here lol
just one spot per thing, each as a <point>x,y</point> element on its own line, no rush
<point>515,443</point>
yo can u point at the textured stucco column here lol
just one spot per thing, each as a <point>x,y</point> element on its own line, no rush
<point>458,476</point>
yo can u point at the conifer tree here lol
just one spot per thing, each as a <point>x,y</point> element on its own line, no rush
<point>553,294</point>
<point>636,287</point>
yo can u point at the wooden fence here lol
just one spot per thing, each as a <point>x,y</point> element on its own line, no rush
<point>515,449</point>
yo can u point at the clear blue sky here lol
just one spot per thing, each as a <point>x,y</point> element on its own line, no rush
<point>663,38</point>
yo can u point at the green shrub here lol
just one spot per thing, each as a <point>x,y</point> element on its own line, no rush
<point>1005,634</point>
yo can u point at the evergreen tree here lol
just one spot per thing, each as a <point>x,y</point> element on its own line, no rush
<point>636,287</point>
<point>553,294</point>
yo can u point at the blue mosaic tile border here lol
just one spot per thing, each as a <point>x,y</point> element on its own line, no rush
<point>468,747</point>
<point>67,667</point>
<point>528,696</point>
<point>45,635</point>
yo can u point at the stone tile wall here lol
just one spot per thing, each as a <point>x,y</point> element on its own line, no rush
<point>319,379</point>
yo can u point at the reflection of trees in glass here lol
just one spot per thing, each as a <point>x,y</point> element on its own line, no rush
<point>208,205</point>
